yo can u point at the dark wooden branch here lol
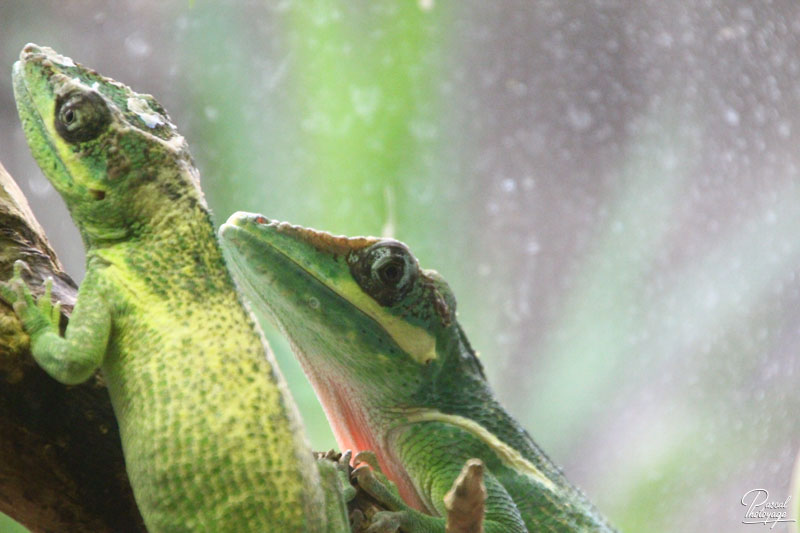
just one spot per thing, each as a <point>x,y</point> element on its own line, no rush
<point>61,465</point>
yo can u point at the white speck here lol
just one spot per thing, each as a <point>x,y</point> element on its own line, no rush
<point>732,32</point>
<point>365,101</point>
<point>96,86</point>
<point>664,40</point>
<point>149,117</point>
<point>39,186</point>
<point>212,113</point>
<point>670,160</point>
<point>272,77</point>
<point>508,185</point>
<point>136,46</point>
<point>426,5</point>
<point>732,116</point>
<point>784,129</point>
<point>532,248</point>
<point>617,226</point>
<point>423,130</point>
<point>770,217</point>
<point>64,61</point>
<point>712,299</point>
<point>528,183</point>
<point>579,118</point>
<point>313,302</point>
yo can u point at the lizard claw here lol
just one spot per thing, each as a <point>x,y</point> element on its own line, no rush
<point>15,292</point>
<point>35,313</point>
<point>332,463</point>
<point>378,486</point>
<point>46,305</point>
<point>363,475</point>
<point>342,466</point>
<point>344,459</point>
<point>7,293</point>
<point>368,457</point>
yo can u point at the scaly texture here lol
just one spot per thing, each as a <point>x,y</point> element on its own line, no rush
<point>379,340</point>
<point>210,435</point>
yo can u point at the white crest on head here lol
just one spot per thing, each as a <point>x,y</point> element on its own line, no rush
<point>150,118</point>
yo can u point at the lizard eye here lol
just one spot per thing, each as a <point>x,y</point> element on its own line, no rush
<point>81,116</point>
<point>390,271</point>
<point>386,271</point>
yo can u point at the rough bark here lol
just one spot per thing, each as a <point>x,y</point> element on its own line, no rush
<point>61,465</point>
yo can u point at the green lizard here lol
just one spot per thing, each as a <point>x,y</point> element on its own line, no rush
<point>211,437</point>
<point>379,340</point>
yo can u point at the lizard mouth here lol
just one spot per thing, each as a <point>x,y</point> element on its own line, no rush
<point>41,143</point>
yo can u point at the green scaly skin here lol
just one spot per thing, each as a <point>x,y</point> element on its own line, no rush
<point>379,340</point>
<point>211,437</point>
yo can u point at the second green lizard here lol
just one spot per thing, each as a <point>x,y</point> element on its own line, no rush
<point>378,337</point>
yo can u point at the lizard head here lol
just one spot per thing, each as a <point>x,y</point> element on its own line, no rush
<point>108,150</point>
<point>359,310</point>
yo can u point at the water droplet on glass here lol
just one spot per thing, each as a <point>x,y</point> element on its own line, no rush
<point>211,113</point>
<point>732,116</point>
<point>508,185</point>
<point>365,101</point>
<point>39,186</point>
<point>136,46</point>
<point>579,118</point>
<point>532,248</point>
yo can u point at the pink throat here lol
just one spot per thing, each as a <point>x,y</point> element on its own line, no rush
<point>353,431</point>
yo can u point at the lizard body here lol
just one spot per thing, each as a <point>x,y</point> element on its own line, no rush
<point>379,340</point>
<point>211,437</point>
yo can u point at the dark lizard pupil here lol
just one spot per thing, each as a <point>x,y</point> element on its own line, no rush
<point>69,116</point>
<point>386,271</point>
<point>392,272</point>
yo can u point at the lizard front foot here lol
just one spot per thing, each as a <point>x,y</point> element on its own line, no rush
<point>37,315</point>
<point>374,482</point>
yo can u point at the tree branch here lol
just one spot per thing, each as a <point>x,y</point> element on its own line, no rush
<point>61,464</point>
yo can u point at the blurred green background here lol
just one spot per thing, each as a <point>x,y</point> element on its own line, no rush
<point>611,188</point>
